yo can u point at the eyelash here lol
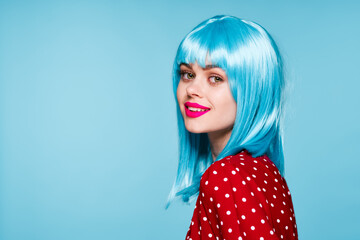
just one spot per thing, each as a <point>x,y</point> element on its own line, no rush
<point>182,73</point>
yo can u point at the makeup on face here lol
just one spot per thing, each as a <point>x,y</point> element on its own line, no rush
<point>195,110</point>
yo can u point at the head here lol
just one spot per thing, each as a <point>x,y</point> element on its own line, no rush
<point>205,100</point>
<point>246,56</point>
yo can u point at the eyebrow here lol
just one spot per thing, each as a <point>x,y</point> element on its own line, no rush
<point>205,68</point>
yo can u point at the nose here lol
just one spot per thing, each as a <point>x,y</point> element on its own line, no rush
<point>194,88</point>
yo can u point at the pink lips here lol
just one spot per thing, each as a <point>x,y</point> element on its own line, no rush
<point>195,114</point>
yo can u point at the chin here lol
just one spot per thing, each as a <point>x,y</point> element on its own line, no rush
<point>194,129</point>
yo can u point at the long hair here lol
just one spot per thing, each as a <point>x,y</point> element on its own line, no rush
<point>252,62</point>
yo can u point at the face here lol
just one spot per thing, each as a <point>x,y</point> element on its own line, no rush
<point>205,99</point>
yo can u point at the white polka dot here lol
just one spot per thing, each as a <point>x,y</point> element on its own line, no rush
<point>206,183</point>
<point>234,189</point>
<point>242,164</point>
<point>218,205</point>
<point>290,218</point>
<point>227,195</point>
<point>265,181</point>
<point>210,235</point>
<point>254,176</point>
<point>244,234</point>
<point>204,218</point>
<point>235,205</point>
<point>274,196</point>
<point>248,178</point>
<point>260,205</point>
<point>214,172</point>
<point>233,172</point>
<point>262,221</point>
<point>271,204</point>
<point>211,199</point>
<point>225,179</point>
<point>238,221</point>
<point>282,211</point>
<point>275,188</point>
<point>221,223</point>
<point>217,226</point>
<point>276,180</point>
<point>281,236</point>
<point>255,161</point>
<point>253,210</point>
<point>222,164</point>
<point>216,188</point>
<point>266,174</point>
<point>252,228</point>
<point>284,203</point>
<point>202,194</point>
<point>278,220</point>
<point>264,189</point>
<point>261,238</point>
<point>286,227</point>
<point>271,232</point>
<point>228,212</point>
<point>244,199</point>
<point>237,169</point>
<point>240,238</point>
<point>243,217</point>
<point>252,194</point>
<point>230,230</point>
<point>200,202</point>
<point>243,182</point>
<point>259,189</point>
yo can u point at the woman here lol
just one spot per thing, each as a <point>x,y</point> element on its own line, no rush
<point>229,87</point>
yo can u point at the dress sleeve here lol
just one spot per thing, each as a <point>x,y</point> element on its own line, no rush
<point>235,207</point>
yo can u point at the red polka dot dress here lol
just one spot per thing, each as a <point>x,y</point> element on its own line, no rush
<point>242,197</point>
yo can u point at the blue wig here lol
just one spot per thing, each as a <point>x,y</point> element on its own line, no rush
<point>253,65</point>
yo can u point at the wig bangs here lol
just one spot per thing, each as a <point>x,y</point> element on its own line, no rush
<point>207,45</point>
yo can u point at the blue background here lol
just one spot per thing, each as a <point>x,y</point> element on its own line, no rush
<point>88,135</point>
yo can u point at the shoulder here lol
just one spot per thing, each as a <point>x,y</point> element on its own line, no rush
<point>244,171</point>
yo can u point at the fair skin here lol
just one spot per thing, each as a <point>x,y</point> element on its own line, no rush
<point>208,87</point>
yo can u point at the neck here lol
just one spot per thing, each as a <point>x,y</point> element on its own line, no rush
<point>218,141</point>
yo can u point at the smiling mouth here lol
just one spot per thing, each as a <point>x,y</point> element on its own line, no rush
<point>194,110</point>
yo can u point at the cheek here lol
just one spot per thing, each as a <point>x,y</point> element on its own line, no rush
<point>227,106</point>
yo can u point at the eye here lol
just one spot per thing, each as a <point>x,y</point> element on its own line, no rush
<point>215,79</point>
<point>187,75</point>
